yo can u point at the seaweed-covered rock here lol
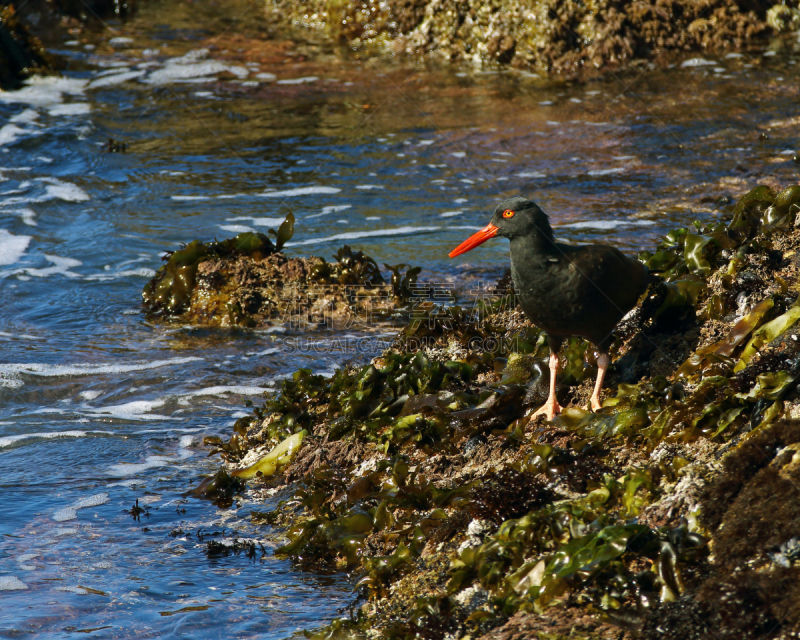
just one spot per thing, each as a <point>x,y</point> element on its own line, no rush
<point>562,36</point>
<point>21,54</point>
<point>248,281</point>
<point>422,474</point>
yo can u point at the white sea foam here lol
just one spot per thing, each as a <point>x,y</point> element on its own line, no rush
<point>28,215</point>
<point>356,235</point>
<point>59,190</point>
<point>71,512</point>
<point>64,531</point>
<point>605,224</point>
<point>125,469</point>
<point>698,62</point>
<point>459,154</point>
<point>143,272</point>
<point>11,583</point>
<point>300,191</point>
<point>60,266</point>
<point>90,394</point>
<point>333,208</point>
<point>450,214</point>
<point>12,247</point>
<point>70,109</point>
<point>259,222</point>
<point>79,590</point>
<point>120,41</point>
<point>605,172</point>
<point>193,67</point>
<point>222,390</point>
<point>135,410</point>
<point>125,483</point>
<point>9,371</point>
<point>10,133</point>
<point>8,441</point>
<point>369,187</point>
<point>236,228</point>
<point>44,91</point>
<point>266,352</point>
<point>531,174</point>
<point>266,77</point>
<point>116,78</point>
<point>190,198</point>
<point>29,116</point>
<point>298,80</point>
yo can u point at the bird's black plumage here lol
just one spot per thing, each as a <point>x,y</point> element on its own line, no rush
<point>565,290</point>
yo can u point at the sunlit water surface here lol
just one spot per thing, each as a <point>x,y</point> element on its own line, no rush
<point>100,406</point>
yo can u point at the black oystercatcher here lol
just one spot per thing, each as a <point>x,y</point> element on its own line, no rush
<point>565,290</point>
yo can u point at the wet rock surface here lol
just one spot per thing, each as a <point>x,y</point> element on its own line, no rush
<point>248,281</point>
<point>21,54</point>
<point>671,511</point>
<point>560,36</point>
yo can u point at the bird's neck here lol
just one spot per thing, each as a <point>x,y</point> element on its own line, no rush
<point>527,251</point>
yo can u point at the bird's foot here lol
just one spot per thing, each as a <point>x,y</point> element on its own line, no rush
<point>594,402</point>
<point>548,409</point>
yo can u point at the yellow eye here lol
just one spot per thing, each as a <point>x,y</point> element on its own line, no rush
<point>508,213</point>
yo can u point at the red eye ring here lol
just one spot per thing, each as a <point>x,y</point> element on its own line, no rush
<point>508,213</point>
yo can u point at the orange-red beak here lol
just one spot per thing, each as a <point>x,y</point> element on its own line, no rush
<point>489,231</point>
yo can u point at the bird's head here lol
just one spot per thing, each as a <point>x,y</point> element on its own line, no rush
<point>513,218</point>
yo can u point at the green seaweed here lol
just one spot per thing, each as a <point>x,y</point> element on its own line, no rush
<point>274,461</point>
<point>570,519</point>
<point>171,288</point>
<point>768,333</point>
<point>284,232</point>
<point>723,350</point>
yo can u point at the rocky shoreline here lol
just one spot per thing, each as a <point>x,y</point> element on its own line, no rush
<point>568,38</point>
<point>670,512</point>
<point>565,37</point>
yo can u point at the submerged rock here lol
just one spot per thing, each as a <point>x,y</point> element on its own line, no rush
<point>672,510</point>
<point>562,36</point>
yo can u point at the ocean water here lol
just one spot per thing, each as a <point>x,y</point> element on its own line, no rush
<point>101,406</point>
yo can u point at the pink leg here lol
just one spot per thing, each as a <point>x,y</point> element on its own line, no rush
<point>551,407</point>
<point>602,366</point>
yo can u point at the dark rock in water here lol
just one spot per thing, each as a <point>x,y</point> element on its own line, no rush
<point>21,54</point>
<point>248,281</point>
<point>87,10</point>
<point>219,488</point>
